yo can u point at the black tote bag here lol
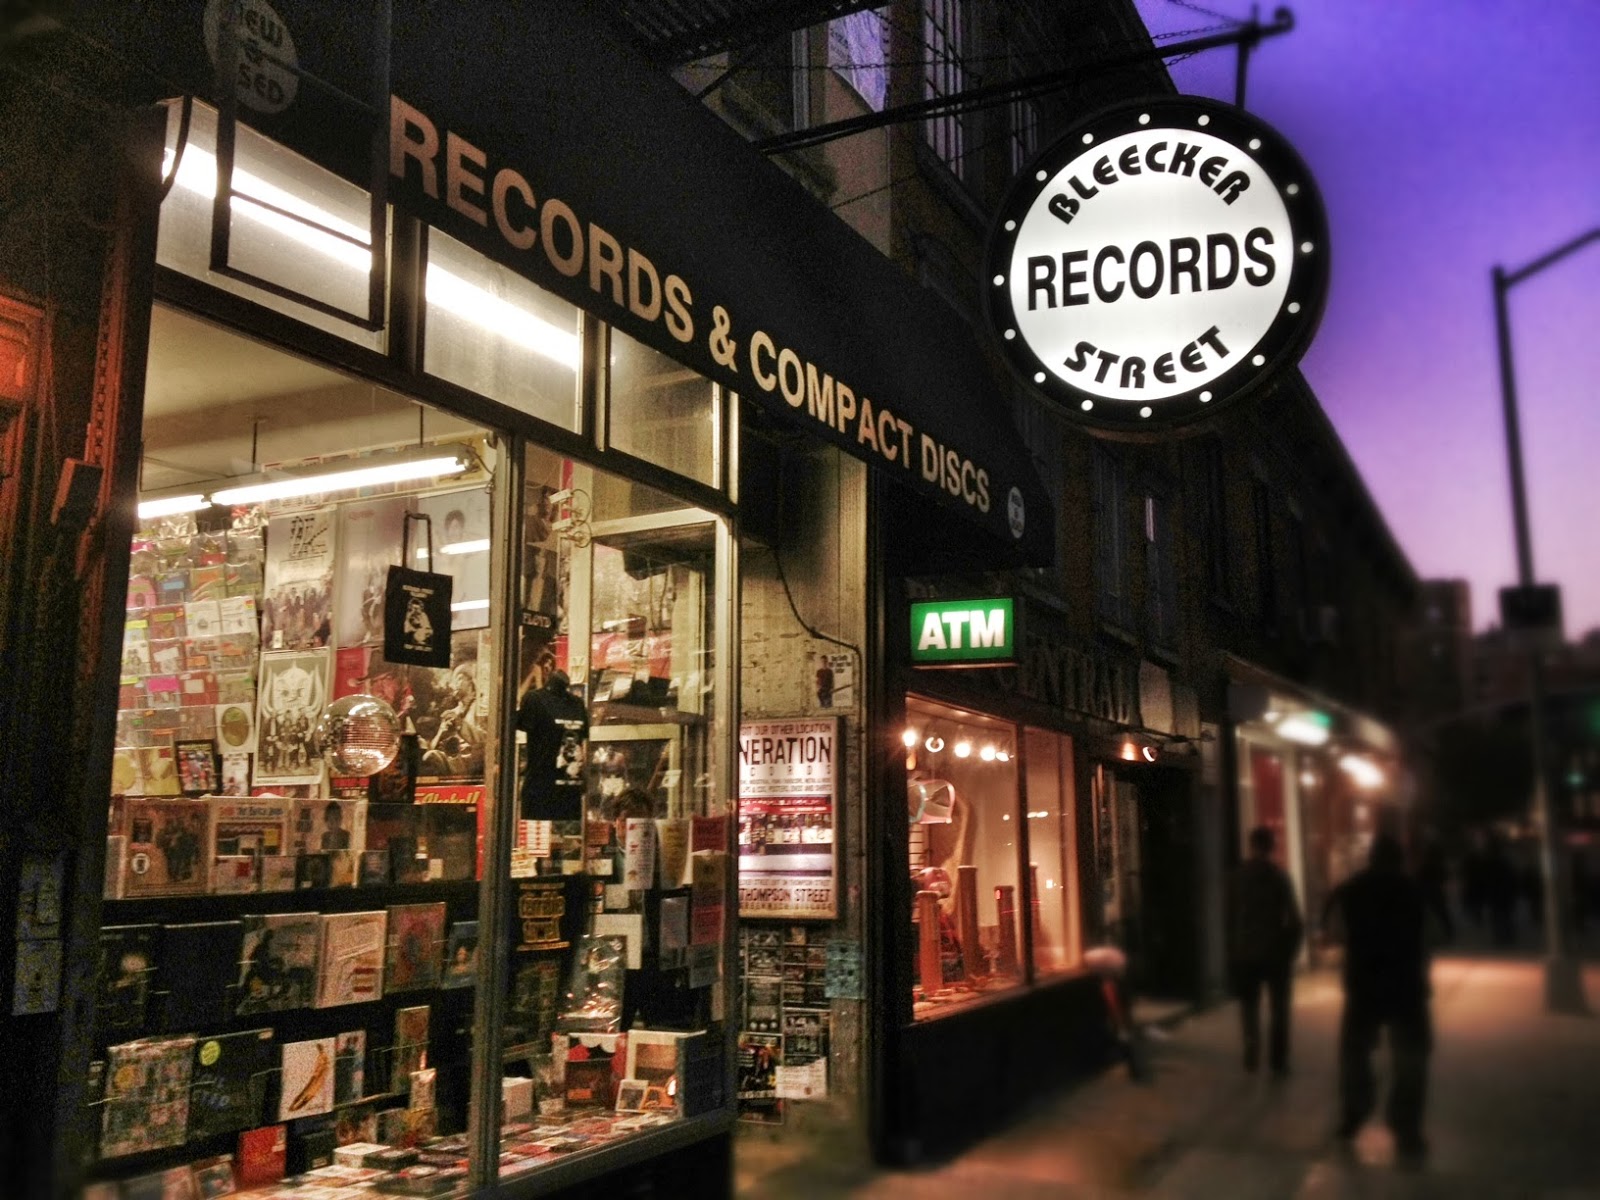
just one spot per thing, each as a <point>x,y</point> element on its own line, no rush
<point>416,608</point>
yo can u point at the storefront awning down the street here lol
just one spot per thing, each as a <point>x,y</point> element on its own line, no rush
<point>537,135</point>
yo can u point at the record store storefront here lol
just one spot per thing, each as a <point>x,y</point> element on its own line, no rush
<point>420,730</point>
<point>419,853</point>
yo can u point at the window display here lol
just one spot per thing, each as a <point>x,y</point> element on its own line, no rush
<point>275,932</point>
<point>966,844</point>
<point>621,867</point>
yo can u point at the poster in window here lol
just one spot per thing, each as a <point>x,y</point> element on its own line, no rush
<point>788,802</point>
<point>461,548</point>
<point>369,543</point>
<point>297,604</point>
<point>294,687</point>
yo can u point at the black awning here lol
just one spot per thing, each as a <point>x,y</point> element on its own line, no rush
<point>536,134</point>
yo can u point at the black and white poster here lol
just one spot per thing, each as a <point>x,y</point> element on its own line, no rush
<point>297,600</point>
<point>294,688</point>
<point>369,544</point>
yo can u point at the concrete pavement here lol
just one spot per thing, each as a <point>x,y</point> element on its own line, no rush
<point>1514,1114</point>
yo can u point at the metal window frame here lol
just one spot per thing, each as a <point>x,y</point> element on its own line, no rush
<point>229,51</point>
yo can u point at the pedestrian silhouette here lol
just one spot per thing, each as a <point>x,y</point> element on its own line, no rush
<point>1264,931</point>
<point>1380,915</point>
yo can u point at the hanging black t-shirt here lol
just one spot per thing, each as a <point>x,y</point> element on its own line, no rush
<point>557,725</point>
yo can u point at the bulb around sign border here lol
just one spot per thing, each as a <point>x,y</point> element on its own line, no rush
<point>1259,347</point>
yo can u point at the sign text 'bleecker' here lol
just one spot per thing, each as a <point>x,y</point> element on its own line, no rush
<point>963,632</point>
<point>1160,259</point>
<point>452,171</point>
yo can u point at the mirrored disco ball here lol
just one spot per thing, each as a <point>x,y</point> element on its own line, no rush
<point>358,735</point>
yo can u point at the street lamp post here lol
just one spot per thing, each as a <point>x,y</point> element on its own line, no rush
<point>1563,990</point>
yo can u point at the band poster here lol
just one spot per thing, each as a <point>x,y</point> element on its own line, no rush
<point>789,778</point>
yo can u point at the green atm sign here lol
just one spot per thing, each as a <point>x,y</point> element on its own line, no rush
<point>963,633</point>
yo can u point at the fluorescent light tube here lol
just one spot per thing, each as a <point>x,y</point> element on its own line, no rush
<point>171,506</point>
<point>340,480</point>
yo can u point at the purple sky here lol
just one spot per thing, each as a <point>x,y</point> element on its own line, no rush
<point>1448,137</point>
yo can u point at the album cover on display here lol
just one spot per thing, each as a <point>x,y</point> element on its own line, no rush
<point>116,872</point>
<point>416,946</point>
<point>373,868</point>
<point>461,955</point>
<point>352,957</point>
<point>278,966</point>
<point>349,1066</point>
<point>147,1096</point>
<point>410,1050</point>
<point>197,975</point>
<point>175,1183</point>
<point>228,1081</point>
<point>167,843</point>
<point>263,1156</point>
<point>326,825</point>
<point>197,767</point>
<point>213,1177</point>
<point>254,825</point>
<point>127,974</point>
<point>307,1079</point>
<point>278,872</point>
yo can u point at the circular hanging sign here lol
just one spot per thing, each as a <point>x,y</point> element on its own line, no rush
<point>1159,261</point>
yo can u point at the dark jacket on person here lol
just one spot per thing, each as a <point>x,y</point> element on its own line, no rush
<point>1264,926</point>
<point>1380,915</point>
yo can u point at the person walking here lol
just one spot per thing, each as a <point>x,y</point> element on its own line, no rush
<point>1380,915</point>
<point>1264,931</point>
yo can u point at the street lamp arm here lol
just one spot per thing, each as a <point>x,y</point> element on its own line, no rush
<point>1507,278</point>
<point>1563,976</point>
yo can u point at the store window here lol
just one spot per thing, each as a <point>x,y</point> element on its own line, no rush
<point>944,33</point>
<point>292,223</point>
<point>662,412</point>
<point>621,865</point>
<point>291,908</point>
<point>492,331</point>
<point>1052,853</point>
<point>1112,559</point>
<point>858,51</point>
<point>966,845</point>
<point>1160,572</point>
<point>297,848</point>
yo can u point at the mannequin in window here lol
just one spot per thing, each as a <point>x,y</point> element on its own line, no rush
<point>557,725</point>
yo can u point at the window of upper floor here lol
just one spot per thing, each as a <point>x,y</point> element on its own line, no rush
<point>1161,570</point>
<point>1112,561</point>
<point>858,52</point>
<point>947,45</point>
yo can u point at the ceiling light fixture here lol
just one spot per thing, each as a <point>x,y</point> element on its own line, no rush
<point>908,739</point>
<point>429,462</point>
<point>962,749</point>
<point>171,506</point>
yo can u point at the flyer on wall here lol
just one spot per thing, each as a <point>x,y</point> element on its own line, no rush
<point>788,797</point>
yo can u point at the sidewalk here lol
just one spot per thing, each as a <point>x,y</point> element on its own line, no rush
<point>1514,1113</point>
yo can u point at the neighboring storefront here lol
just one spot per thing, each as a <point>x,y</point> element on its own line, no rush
<point>463,346</point>
<point>1044,816</point>
<point>1322,776</point>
